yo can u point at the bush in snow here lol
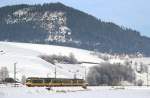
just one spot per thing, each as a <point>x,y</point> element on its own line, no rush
<point>72,59</point>
<point>9,80</point>
<point>4,73</point>
<point>60,59</point>
<point>23,80</point>
<point>141,68</point>
<point>139,82</point>
<point>110,74</point>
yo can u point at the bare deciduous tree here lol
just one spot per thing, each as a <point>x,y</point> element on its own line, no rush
<point>23,79</point>
<point>4,73</point>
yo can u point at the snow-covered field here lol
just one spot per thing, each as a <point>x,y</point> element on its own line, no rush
<point>92,92</point>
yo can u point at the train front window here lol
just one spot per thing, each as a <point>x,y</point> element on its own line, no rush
<point>28,80</point>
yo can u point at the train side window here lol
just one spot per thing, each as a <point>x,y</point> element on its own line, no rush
<point>54,81</point>
<point>37,81</point>
<point>57,81</point>
<point>74,81</point>
<point>47,81</point>
<point>80,81</point>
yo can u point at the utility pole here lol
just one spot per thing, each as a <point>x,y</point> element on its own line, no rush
<point>75,74</point>
<point>55,71</point>
<point>147,80</point>
<point>148,76</point>
<point>85,73</point>
<point>15,72</point>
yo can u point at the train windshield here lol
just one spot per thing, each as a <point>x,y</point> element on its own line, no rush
<point>28,80</point>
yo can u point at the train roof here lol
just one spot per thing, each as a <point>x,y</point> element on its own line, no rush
<point>54,78</point>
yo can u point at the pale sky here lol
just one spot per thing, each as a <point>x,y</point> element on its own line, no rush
<point>129,13</point>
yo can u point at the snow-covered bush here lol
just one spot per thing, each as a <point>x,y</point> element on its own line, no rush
<point>139,82</point>
<point>4,73</point>
<point>110,74</point>
<point>60,59</point>
<point>23,79</point>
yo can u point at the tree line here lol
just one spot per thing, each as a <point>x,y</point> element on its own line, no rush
<point>110,74</point>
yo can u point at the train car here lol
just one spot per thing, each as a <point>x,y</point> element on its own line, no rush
<point>54,82</point>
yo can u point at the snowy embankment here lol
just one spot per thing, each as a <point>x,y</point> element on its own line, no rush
<point>93,92</point>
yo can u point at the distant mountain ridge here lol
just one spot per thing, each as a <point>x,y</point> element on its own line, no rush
<point>58,24</point>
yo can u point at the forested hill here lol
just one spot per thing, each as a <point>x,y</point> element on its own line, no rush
<point>58,24</point>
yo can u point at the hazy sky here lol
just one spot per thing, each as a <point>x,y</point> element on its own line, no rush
<point>129,13</point>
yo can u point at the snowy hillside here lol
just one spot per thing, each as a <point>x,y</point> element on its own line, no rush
<point>29,64</point>
<point>81,55</point>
